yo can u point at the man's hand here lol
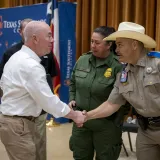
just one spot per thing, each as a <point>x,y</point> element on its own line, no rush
<point>72,104</point>
<point>85,119</point>
<point>79,117</point>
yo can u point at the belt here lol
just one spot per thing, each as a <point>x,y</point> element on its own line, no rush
<point>154,120</point>
<point>30,118</point>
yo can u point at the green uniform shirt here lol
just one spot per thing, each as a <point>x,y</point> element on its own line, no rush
<point>92,80</point>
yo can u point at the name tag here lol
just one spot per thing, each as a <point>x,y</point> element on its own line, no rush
<point>124,76</point>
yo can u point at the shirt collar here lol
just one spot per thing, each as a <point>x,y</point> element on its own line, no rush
<point>107,61</point>
<point>141,62</point>
<point>30,53</point>
<point>129,67</point>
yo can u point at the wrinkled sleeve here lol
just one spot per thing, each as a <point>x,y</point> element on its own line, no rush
<point>40,91</point>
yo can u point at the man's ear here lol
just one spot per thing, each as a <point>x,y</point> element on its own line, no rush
<point>134,45</point>
<point>110,44</point>
<point>35,39</point>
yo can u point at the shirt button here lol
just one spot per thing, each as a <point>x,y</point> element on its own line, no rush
<point>145,109</point>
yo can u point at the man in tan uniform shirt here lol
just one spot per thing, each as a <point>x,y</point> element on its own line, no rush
<point>139,84</point>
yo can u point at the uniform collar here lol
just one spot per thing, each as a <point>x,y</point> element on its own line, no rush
<point>107,61</point>
<point>30,53</point>
<point>130,67</point>
<point>141,62</point>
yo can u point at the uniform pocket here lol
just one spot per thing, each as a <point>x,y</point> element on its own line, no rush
<point>152,85</point>
<point>126,90</point>
<point>80,74</point>
<point>81,78</point>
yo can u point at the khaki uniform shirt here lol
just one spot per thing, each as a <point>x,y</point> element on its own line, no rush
<point>142,89</point>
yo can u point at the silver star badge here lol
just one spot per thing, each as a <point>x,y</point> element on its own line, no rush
<point>149,69</point>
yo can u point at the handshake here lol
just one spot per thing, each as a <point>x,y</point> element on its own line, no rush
<point>78,117</point>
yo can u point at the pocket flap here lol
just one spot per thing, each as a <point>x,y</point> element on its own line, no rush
<point>151,80</point>
<point>126,88</point>
<point>80,73</point>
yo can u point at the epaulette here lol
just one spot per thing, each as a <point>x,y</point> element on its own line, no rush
<point>155,54</point>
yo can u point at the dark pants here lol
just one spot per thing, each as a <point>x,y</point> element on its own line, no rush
<point>100,136</point>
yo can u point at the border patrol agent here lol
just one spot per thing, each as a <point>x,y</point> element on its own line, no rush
<point>92,81</point>
<point>140,87</point>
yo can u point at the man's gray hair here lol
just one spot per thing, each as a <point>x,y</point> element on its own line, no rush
<point>32,28</point>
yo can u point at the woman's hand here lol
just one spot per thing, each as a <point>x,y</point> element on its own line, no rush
<point>72,104</point>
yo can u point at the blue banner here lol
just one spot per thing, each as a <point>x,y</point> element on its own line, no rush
<point>10,19</point>
<point>67,29</point>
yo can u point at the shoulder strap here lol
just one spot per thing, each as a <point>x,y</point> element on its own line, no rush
<point>155,54</point>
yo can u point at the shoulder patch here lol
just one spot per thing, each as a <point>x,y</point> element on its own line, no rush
<point>155,54</point>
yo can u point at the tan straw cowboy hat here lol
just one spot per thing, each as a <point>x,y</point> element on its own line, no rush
<point>132,31</point>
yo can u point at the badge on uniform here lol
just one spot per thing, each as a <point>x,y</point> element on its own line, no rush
<point>124,76</point>
<point>108,72</point>
<point>149,69</point>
